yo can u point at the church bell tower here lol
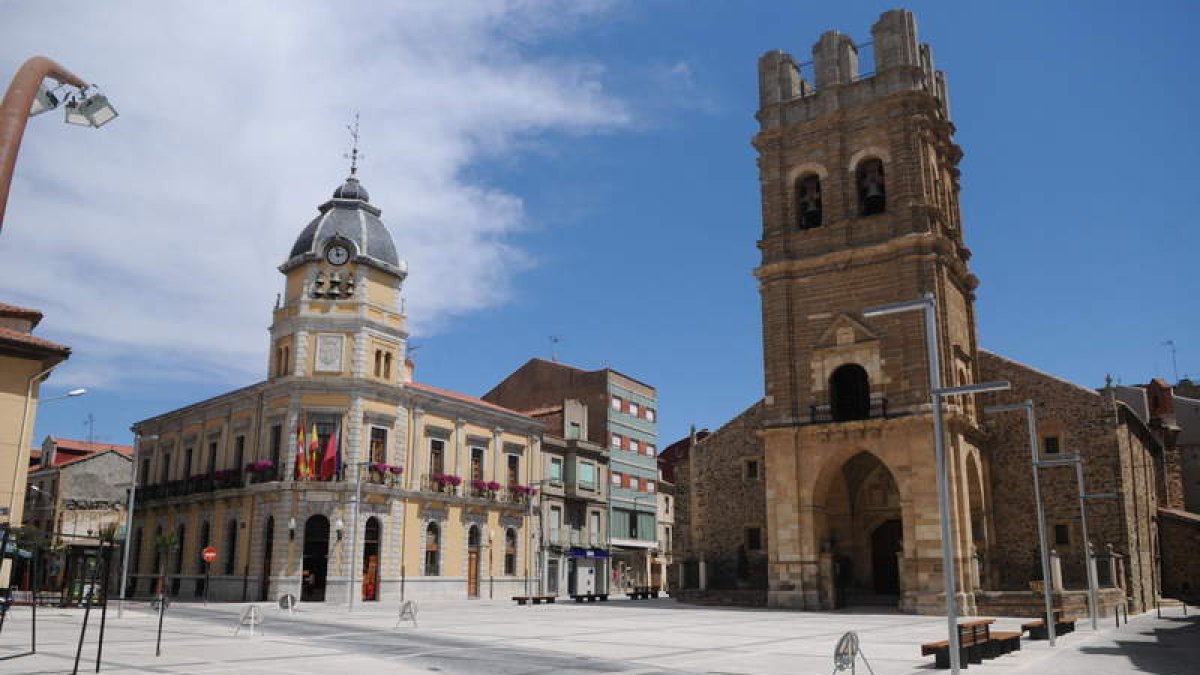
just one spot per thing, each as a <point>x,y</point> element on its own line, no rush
<point>860,188</point>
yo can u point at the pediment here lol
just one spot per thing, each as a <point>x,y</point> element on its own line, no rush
<point>846,330</point>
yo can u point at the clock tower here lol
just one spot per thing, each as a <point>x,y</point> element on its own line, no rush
<point>340,314</point>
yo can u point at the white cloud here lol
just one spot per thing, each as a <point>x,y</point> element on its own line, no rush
<point>160,233</point>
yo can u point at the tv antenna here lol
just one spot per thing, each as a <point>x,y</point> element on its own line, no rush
<point>1174,361</point>
<point>554,340</point>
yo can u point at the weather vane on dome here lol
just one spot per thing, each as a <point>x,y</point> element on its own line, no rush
<point>354,155</point>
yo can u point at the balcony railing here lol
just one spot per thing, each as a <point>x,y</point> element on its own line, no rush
<point>877,408</point>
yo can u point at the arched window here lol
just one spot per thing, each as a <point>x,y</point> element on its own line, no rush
<point>849,393</point>
<point>510,552</point>
<point>432,552</point>
<point>231,546</point>
<point>808,202</point>
<point>872,190</point>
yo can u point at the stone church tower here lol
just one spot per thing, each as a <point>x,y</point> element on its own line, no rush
<point>860,190</point>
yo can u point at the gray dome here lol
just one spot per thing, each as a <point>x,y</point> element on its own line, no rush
<point>350,218</point>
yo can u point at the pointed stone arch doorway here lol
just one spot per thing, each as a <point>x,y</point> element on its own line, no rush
<point>863,533</point>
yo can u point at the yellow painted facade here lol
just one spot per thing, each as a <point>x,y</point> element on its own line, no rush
<point>25,362</point>
<point>401,516</point>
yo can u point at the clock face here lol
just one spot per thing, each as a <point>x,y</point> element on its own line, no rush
<point>337,254</point>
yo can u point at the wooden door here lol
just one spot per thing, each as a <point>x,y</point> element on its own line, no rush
<point>473,573</point>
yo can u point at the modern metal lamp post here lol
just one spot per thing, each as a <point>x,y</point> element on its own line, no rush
<point>928,305</point>
<point>27,96</point>
<point>1027,406</point>
<point>130,502</point>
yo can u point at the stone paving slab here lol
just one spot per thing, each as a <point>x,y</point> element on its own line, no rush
<point>632,637</point>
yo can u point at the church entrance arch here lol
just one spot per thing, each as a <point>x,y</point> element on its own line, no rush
<point>316,559</point>
<point>885,568</point>
<point>862,532</point>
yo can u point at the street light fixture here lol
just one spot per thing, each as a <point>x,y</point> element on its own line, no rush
<point>129,504</point>
<point>927,304</point>
<point>27,96</point>
<point>91,111</point>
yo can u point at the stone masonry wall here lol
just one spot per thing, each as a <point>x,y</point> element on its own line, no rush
<point>1179,533</point>
<point>726,502</point>
<point>1117,459</point>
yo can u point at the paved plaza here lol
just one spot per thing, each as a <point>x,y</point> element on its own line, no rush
<point>633,637</point>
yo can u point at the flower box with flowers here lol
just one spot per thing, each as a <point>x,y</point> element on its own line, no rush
<point>262,471</point>
<point>384,474</point>
<point>484,488</point>
<point>445,482</point>
<point>521,494</point>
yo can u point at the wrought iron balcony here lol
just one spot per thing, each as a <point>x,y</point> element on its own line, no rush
<point>837,412</point>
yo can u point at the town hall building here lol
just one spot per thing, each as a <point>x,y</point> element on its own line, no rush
<point>338,478</point>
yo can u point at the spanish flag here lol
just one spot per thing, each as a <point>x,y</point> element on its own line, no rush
<point>314,452</point>
<point>301,456</point>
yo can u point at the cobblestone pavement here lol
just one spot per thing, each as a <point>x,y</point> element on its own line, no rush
<point>626,636</point>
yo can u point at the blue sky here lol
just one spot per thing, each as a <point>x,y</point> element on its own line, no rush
<point>582,171</point>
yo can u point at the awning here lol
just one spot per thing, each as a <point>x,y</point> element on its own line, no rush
<point>577,552</point>
<point>11,551</point>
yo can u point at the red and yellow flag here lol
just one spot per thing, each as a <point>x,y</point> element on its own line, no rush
<point>301,455</point>
<point>314,452</point>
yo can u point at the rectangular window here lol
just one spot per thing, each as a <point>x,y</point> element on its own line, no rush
<point>145,478</point>
<point>239,453</point>
<point>633,524</point>
<point>276,444</point>
<point>634,409</point>
<point>514,470</point>
<point>556,467</point>
<point>594,528</point>
<point>650,449</point>
<point>574,431</point>
<point>650,486</point>
<point>750,469</point>
<point>556,525</point>
<point>437,456</point>
<point>378,445</point>
<point>1050,445</point>
<point>1062,535</point>
<point>616,403</point>
<point>616,479</point>
<point>754,539</point>
<point>650,414</point>
<point>477,463</point>
<point>587,474</point>
<point>633,445</point>
<point>616,441</point>
<point>166,468</point>
<point>667,507</point>
<point>212,458</point>
<point>187,464</point>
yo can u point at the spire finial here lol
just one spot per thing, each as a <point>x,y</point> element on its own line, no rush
<point>353,156</point>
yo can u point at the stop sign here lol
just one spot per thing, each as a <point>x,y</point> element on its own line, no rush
<point>209,554</point>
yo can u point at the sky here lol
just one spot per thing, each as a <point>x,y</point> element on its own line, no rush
<point>569,179</point>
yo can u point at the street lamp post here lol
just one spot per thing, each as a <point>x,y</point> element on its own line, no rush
<point>1027,406</point>
<point>26,97</point>
<point>927,304</point>
<point>130,502</point>
<point>1089,569</point>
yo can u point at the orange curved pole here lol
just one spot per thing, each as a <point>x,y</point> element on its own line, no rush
<point>14,114</point>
